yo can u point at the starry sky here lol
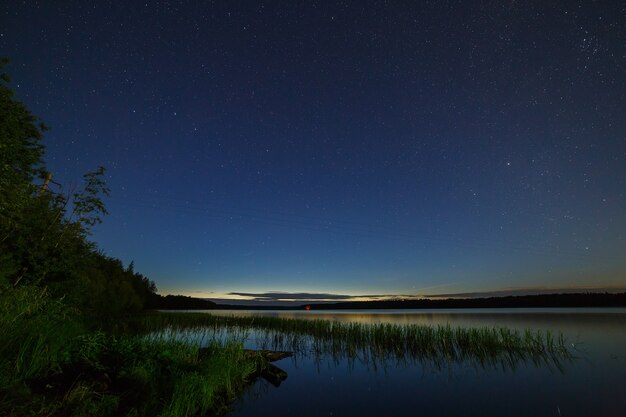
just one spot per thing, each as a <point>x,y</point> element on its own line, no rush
<point>319,150</point>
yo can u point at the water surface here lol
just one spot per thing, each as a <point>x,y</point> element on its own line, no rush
<point>594,384</point>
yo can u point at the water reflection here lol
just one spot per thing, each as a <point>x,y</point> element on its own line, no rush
<point>488,348</point>
<point>591,385</point>
<point>378,343</point>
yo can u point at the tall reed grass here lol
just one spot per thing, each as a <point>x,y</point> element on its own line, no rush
<point>375,344</point>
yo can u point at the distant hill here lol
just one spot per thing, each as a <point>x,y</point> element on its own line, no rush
<point>523,301</point>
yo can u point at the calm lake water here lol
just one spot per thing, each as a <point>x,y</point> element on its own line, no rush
<point>594,384</point>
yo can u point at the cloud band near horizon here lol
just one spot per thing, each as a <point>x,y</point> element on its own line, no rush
<point>289,297</point>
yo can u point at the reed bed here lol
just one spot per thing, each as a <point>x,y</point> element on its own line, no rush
<point>373,344</point>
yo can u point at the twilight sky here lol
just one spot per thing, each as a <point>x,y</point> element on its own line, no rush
<point>339,149</point>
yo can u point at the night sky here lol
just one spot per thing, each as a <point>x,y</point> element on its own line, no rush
<point>339,149</point>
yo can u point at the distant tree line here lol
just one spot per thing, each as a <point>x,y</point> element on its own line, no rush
<point>523,301</point>
<point>179,302</point>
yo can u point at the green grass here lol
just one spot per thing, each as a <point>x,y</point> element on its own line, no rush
<point>50,365</point>
<point>133,376</point>
<point>375,343</point>
<point>34,331</point>
<point>215,381</point>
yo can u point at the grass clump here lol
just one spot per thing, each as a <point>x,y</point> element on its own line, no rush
<point>51,365</point>
<point>34,330</point>
<point>377,343</point>
<point>215,382</point>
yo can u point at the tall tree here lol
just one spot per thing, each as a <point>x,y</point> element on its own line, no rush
<point>21,152</point>
<point>21,162</point>
<point>44,235</point>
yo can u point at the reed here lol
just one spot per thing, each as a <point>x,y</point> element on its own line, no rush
<point>373,343</point>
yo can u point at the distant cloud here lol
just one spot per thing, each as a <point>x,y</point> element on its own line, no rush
<point>279,298</point>
<point>305,296</point>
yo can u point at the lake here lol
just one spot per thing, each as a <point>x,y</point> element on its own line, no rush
<point>592,384</point>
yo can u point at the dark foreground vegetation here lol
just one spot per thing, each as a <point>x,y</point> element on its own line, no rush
<point>59,296</point>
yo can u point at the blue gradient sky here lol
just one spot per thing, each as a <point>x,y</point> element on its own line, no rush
<point>355,148</point>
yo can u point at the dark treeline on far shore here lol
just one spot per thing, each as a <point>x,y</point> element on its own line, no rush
<point>522,301</point>
<point>180,302</point>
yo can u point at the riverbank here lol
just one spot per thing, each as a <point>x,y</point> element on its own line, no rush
<point>51,365</point>
<point>106,376</point>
